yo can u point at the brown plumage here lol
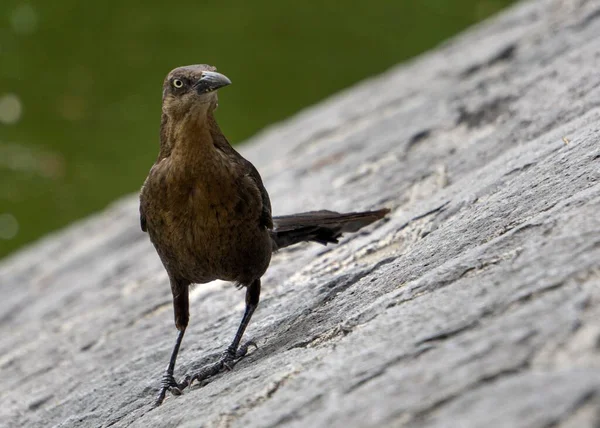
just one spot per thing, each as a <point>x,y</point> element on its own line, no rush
<point>209,215</point>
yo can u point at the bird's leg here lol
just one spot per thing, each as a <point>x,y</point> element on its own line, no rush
<point>181,305</point>
<point>234,352</point>
<point>168,382</point>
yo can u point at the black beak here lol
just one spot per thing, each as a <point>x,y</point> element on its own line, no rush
<point>211,81</point>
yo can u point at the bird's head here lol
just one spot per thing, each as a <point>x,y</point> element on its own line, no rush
<point>192,90</point>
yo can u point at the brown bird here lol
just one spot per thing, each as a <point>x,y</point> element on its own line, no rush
<point>209,215</point>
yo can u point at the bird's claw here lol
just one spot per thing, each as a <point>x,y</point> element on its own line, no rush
<point>228,360</point>
<point>168,383</point>
<point>243,350</point>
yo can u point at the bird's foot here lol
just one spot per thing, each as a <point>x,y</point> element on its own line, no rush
<point>168,383</point>
<point>228,360</point>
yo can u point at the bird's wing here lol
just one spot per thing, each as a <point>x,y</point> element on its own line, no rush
<point>266,218</point>
<point>143,221</point>
<point>222,144</point>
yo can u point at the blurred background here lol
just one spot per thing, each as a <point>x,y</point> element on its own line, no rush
<point>80,82</point>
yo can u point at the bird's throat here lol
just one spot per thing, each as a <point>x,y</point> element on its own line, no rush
<point>188,137</point>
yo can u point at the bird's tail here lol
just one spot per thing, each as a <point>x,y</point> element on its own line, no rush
<point>323,226</point>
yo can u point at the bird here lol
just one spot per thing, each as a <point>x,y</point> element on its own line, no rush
<point>208,214</point>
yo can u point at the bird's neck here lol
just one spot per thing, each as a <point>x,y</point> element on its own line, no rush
<point>190,138</point>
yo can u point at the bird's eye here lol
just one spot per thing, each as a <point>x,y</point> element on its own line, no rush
<point>177,83</point>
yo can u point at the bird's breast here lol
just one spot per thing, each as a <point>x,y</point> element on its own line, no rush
<point>209,225</point>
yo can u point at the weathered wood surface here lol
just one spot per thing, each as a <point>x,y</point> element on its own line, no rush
<point>476,304</point>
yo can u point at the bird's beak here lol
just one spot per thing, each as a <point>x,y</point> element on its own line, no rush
<point>211,81</point>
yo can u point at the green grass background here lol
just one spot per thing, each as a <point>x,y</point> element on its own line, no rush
<point>88,76</point>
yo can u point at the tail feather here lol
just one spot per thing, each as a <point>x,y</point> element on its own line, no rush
<point>322,226</point>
